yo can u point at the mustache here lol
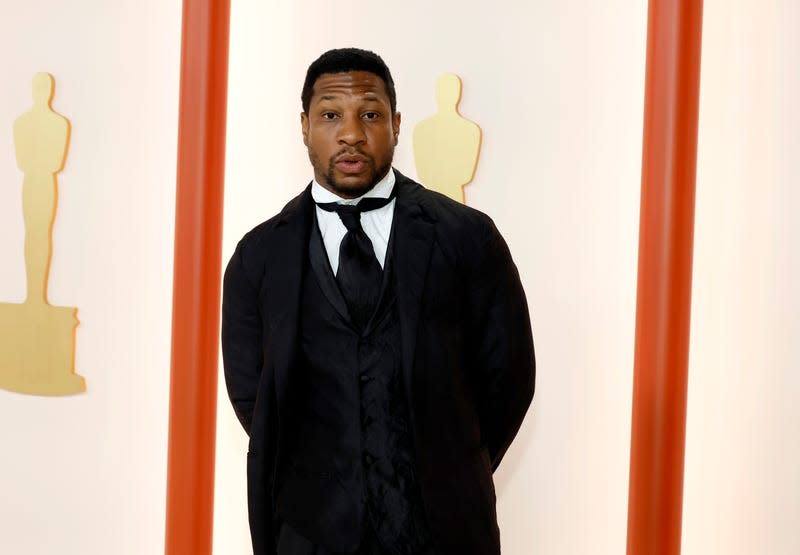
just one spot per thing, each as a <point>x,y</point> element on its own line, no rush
<point>350,152</point>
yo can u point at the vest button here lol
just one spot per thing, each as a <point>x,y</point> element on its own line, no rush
<point>368,459</point>
<point>364,378</point>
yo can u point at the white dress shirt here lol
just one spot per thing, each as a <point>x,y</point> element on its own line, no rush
<point>377,224</point>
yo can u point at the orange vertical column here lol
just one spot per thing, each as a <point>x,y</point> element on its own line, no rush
<point>663,305</point>
<point>196,286</point>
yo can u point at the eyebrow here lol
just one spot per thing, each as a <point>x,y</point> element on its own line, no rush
<point>367,98</point>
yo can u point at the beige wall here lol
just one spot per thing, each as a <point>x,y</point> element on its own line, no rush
<point>743,441</point>
<point>558,91</point>
<point>86,474</point>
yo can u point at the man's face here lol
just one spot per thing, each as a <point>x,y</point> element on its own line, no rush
<point>350,132</point>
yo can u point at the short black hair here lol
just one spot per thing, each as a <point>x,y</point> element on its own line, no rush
<point>343,60</point>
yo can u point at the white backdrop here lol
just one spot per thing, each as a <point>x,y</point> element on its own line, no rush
<point>742,485</point>
<point>86,474</point>
<point>558,90</point>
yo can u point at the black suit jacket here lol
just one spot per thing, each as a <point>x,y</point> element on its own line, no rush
<point>467,354</point>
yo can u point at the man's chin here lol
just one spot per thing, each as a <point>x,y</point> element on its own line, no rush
<point>351,187</point>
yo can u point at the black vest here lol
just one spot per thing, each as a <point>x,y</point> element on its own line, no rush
<point>350,413</point>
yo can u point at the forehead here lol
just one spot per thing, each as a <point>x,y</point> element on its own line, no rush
<point>333,86</point>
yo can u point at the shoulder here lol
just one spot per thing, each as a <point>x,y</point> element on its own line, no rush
<point>254,240</point>
<point>295,212</point>
<point>454,221</point>
<point>465,237</point>
<point>265,241</point>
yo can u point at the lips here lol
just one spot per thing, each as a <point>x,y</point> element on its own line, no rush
<point>351,163</point>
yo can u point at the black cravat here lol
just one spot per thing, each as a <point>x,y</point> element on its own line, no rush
<point>359,274</point>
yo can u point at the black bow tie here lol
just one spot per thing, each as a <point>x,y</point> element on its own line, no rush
<point>359,274</point>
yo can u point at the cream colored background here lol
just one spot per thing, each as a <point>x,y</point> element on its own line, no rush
<point>86,474</point>
<point>742,494</point>
<point>557,89</point>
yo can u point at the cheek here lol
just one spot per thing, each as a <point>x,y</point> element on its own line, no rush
<point>387,142</point>
<point>313,143</point>
<point>319,141</point>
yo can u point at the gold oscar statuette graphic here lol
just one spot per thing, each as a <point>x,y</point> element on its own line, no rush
<point>37,340</point>
<point>446,146</point>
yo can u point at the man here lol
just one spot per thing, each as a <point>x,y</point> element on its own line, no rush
<point>376,343</point>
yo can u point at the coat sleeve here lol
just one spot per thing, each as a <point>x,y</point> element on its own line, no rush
<point>500,330</point>
<point>241,339</point>
<point>243,357</point>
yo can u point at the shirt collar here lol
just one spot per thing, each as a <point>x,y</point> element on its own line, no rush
<point>382,189</point>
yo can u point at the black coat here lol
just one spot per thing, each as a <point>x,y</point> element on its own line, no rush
<point>467,353</point>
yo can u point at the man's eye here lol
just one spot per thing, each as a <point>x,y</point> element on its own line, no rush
<point>328,115</point>
<point>371,115</point>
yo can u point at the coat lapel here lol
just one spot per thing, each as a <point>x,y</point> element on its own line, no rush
<point>324,273</point>
<point>414,224</point>
<point>284,284</point>
<point>414,236</point>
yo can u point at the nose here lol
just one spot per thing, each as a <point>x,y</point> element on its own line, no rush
<point>351,131</point>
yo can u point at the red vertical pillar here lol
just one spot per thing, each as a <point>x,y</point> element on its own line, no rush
<point>663,305</point>
<point>196,286</point>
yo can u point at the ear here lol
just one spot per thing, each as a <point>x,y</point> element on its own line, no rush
<point>396,126</point>
<point>304,127</point>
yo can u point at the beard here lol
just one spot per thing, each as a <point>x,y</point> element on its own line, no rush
<point>373,175</point>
